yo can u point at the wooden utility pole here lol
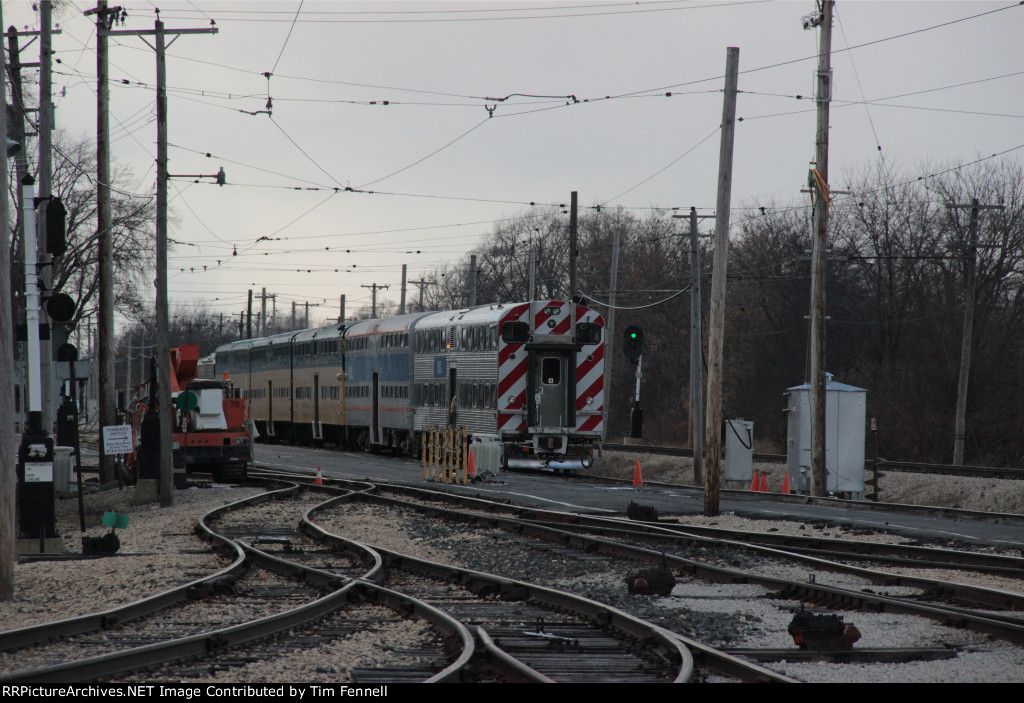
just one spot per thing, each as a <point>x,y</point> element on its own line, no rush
<point>609,344</point>
<point>373,305</point>
<point>163,353</point>
<point>263,312</point>
<point>401,304</point>
<point>716,326</point>
<point>8,441</point>
<point>341,311</point>
<point>472,280</point>
<point>105,17</point>
<point>422,283</point>
<point>820,195</point>
<point>573,231</point>
<point>696,355</point>
<point>967,338</point>
<point>248,318</point>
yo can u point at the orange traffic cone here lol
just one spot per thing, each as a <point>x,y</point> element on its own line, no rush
<point>764,483</point>
<point>472,468</point>
<point>319,479</point>
<point>755,482</point>
<point>638,480</point>
<point>785,484</point>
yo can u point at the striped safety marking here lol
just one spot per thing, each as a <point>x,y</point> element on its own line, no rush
<point>512,371</point>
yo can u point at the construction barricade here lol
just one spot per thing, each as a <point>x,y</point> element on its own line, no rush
<point>445,455</point>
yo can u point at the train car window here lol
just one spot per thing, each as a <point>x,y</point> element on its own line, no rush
<point>515,332</point>
<point>588,333</point>
<point>551,370</point>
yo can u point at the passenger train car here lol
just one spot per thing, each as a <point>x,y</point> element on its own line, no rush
<point>529,374</point>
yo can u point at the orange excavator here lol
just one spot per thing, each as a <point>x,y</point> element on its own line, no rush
<point>210,424</point>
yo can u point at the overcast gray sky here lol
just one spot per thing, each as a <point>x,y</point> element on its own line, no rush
<point>458,115</point>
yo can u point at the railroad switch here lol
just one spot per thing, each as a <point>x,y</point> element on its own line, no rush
<point>552,640</point>
<point>283,542</point>
<point>822,631</point>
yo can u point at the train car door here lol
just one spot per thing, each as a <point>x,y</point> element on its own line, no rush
<point>317,430</point>
<point>270,408</point>
<point>551,389</point>
<point>375,429</point>
<point>453,403</point>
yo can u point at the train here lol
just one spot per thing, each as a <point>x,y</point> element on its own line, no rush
<point>529,376</point>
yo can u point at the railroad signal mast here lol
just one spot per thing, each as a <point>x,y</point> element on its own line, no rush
<point>633,347</point>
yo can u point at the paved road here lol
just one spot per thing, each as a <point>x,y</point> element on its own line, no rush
<point>560,493</point>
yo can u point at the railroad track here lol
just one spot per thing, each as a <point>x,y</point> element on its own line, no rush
<point>172,636</point>
<point>1007,472</point>
<point>324,589</point>
<point>937,600</point>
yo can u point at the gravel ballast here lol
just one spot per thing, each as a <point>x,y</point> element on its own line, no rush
<point>159,549</point>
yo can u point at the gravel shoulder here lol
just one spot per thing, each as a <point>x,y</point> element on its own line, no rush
<point>987,495</point>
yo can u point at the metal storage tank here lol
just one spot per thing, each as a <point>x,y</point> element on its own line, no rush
<point>845,418</point>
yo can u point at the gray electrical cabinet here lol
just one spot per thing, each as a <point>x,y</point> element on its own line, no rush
<point>845,418</point>
<point>739,450</point>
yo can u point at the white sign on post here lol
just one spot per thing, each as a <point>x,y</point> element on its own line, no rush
<point>117,439</point>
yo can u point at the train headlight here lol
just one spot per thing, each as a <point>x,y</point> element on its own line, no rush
<point>590,400</point>
<point>552,323</point>
<point>511,399</point>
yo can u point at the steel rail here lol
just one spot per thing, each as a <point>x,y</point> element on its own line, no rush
<point>513,589</point>
<point>675,534</point>
<point>508,665</point>
<point>1007,472</point>
<point>197,646</point>
<point>106,619</point>
<point>655,640</point>
<point>1007,628</point>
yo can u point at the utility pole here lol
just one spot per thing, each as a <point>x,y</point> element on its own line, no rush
<point>716,326</point>
<point>105,18</point>
<point>401,305</point>
<point>248,318</point>
<point>472,280</point>
<point>610,329</point>
<point>341,311</point>
<point>8,474</point>
<point>573,231</point>
<point>263,313</point>
<point>293,316</point>
<point>163,352</point>
<point>373,307</point>
<point>422,283</point>
<point>696,355</point>
<point>820,196</point>
<point>533,274</point>
<point>967,338</point>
